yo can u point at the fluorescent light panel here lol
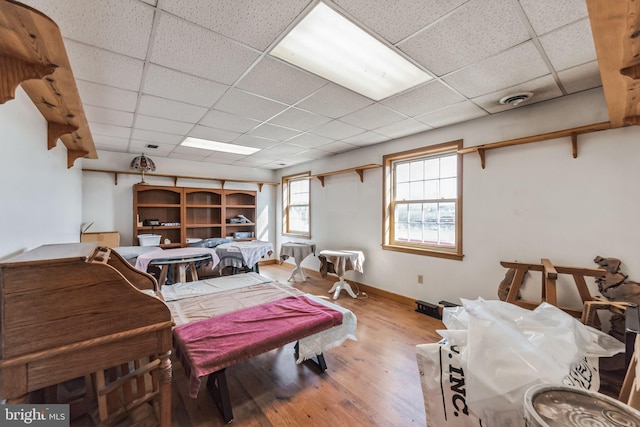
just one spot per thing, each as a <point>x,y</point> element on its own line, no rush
<point>329,45</point>
<point>218,146</point>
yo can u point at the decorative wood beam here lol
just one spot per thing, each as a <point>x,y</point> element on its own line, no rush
<point>56,130</point>
<point>32,54</point>
<point>14,71</point>
<point>615,26</point>
<point>72,155</point>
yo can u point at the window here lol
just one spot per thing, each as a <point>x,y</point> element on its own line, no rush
<point>295,205</point>
<point>423,201</point>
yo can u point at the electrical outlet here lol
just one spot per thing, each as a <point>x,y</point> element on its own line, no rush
<point>420,279</point>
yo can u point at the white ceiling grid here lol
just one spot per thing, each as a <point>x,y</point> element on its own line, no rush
<point>154,72</point>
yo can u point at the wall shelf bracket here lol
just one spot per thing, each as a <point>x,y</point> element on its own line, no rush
<point>358,169</point>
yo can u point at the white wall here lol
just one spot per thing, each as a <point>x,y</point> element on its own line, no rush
<point>532,201</point>
<point>41,198</point>
<point>110,206</point>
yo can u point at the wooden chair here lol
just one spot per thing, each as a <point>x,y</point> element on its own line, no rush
<point>116,392</point>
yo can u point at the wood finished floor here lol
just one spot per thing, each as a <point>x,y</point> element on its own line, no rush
<point>370,382</point>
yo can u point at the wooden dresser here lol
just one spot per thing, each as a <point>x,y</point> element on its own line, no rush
<point>76,310</point>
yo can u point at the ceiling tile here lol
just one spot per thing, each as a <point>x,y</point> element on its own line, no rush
<point>167,109</point>
<point>402,128</point>
<point>570,46</point>
<point>337,130</point>
<point>250,161</point>
<point>213,134</point>
<point>277,133</point>
<point>109,130</point>
<point>509,68</point>
<point>184,46</point>
<point>429,97</point>
<point>395,20</point>
<point>162,125</point>
<point>102,66</point>
<point>445,46</point>
<point>334,101</point>
<point>166,83</point>
<point>255,23</point>
<point>547,15</point>
<point>249,105</point>
<point>310,140</point>
<point>111,141</point>
<point>254,141</point>
<point>156,137</point>
<point>107,96</point>
<point>276,80</point>
<point>217,156</point>
<point>366,138</point>
<point>295,118</point>
<point>543,88</point>
<point>138,146</point>
<point>194,157</point>
<point>108,116</point>
<point>125,29</point>
<point>582,77</point>
<point>373,117</point>
<point>339,147</point>
<point>227,121</point>
<point>452,114</point>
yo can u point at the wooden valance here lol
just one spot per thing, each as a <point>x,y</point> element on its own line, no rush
<point>32,54</point>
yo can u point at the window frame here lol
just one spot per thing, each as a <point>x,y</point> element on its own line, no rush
<point>388,202</point>
<point>286,180</point>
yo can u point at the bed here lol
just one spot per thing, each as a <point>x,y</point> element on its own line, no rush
<point>222,321</point>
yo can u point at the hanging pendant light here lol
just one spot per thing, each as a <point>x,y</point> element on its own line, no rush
<point>143,164</point>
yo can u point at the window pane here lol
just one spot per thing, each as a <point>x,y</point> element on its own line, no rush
<point>400,231</point>
<point>430,233</point>
<point>299,218</point>
<point>416,189</point>
<point>415,213</point>
<point>432,168</point>
<point>402,213</point>
<point>431,189</point>
<point>448,166</point>
<point>402,172</point>
<point>448,235</point>
<point>431,212</point>
<point>448,188</point>
<point>402,191</point>
<point>417,171</point>
<point>415,233</point>
<point>447,213</point>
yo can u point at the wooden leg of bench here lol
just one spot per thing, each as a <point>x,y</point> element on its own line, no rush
<point>318,362</point>
<point>217,386</point>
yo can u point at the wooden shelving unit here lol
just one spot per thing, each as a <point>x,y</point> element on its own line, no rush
<point>192,212</point>
<point>32,54</point>
<point>358,169</point>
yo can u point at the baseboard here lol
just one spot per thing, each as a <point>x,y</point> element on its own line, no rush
<point>411,302</point>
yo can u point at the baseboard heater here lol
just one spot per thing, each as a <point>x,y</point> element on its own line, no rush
<point>433,310</point>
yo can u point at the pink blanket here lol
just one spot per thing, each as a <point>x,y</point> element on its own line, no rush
<point>209,345</point>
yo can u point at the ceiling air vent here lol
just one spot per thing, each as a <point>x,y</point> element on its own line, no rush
<point>516,99</point>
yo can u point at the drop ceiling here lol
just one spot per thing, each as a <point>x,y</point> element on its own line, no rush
<point>153,72</point>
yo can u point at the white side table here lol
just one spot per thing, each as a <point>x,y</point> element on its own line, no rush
<point>297,251</point>
<point>341,262</point>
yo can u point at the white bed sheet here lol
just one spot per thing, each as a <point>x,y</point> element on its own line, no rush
<point>308,347</point>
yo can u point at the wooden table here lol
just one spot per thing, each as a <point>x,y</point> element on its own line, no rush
<point>180,258</point>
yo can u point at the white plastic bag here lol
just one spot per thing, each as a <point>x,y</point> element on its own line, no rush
<point>504,349</point>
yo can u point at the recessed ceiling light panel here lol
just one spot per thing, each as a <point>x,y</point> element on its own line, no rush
<point>206,144</point>
<point>329,45</point>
